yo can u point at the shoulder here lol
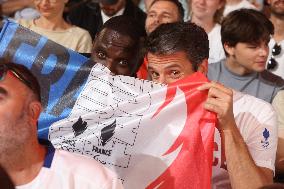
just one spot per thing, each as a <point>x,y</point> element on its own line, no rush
<point>79,31</point>
<point>272,79</point>
<point>25,23</point>
<point>247,4</point>
<point>215,66</point>
<point>85,168</point>
<point>213,70</point>
<point>251,106</point>
<point>217,28</point>
<point>132,10</point>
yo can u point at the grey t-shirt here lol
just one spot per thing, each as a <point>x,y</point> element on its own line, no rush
<point>263,85</point>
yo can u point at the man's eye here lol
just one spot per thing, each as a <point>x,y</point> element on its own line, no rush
<point>167,17</point>
<point>101,55</point>
<point>151,15</point>
<point>175,74</point>
<point>123,63</point>
<point>154,75</point>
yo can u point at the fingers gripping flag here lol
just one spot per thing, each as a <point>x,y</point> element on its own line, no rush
<point>151,135</point>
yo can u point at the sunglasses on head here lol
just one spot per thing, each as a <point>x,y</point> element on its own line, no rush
<point>5,68</point>
<point>272,63</point>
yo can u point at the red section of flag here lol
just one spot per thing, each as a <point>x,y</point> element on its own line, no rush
<point>142,73</point>
<point>192,168</point>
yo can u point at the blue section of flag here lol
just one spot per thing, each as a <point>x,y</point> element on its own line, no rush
<point>62,72</point>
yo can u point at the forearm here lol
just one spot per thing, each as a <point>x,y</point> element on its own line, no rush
<point>243,172</point>
<point>278,103</point>
<point>279,164</point>
<point>11,6</point>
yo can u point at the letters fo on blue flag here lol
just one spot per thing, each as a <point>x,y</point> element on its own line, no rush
<point>55,66</point>
<point>151,135</point>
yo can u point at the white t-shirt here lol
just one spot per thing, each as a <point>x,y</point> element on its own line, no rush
<point>257,123</point>
<point>279,70</point>
<point>216,51</point>
<point>66,170</point>
<point>243,4</point>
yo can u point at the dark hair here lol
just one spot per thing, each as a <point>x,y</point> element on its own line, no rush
<point>180,36</point>
<point>128,26</point>
<point>246,26</point>
<point>26,74</point>
<point>177,3</point>
<point>125,25</point>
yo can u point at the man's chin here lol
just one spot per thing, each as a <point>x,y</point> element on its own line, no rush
<point>109,13</point>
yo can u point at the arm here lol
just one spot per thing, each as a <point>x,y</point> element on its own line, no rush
<point>278,104</point>
<point>243,171</point>
<point>12,6</point>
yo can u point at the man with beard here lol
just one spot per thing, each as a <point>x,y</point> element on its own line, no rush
<point>29,164</point>
<point>91,15</point>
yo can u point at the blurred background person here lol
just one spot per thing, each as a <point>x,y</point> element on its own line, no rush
<point>52,25</point>
<point>232,5</point>
<point>18,9</point>
<point>163,11</point>
<point>208,14</point>
<point>91,15</point>
<point>145,5</point>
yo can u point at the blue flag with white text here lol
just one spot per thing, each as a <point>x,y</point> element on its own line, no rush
<point>56,67</point>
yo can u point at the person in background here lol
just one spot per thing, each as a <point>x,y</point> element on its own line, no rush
<point>18,9</point>
<point>52,25</point>
<point>245,35</point>
<point>163,11</point>
<point>91,15</point>
<point>117,46</point>
<point>208,14</point>
<point>30,164</point>
<point>275,65</point>
<point>246,135</point>
<point>145,4</point>
<point>232,5</point>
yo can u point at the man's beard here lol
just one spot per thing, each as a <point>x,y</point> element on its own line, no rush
<point>13,143</point>
<point>277,12</point>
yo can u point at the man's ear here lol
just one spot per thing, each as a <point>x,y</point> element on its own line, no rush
<point>203,67</point>
<point>229,49</point>
<point>35,109</point>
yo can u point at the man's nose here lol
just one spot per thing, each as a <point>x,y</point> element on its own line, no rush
<point>110,65</point>
<point>264,51</point>
<point>162,79</point>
